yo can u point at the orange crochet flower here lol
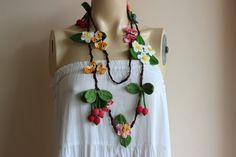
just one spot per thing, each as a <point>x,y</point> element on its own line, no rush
<point>101,45</point>
<point>90,68</point>
<point>93,63</point>
<point>101,69</point>
<point>94,39</point>
<point>98,35</point>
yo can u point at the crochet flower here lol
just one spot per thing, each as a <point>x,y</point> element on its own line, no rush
<point>137,47</point>
<point>91,68</point>
<point>101,45</point>
<point>144,58</point>
<point>101,69</point>
<point>131,34</point>
<point>87,36</point>
<point>97,36</point>
<point>123,130</point>
<point>149,50</point>
<point>145,49</point>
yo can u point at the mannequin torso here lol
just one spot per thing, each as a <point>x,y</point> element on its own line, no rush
<point>64,51</point>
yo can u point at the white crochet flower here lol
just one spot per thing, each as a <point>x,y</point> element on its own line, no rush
<point>149,50</point>
<point>137,47</point>
<point>87,36</point>
<point>144,58</point>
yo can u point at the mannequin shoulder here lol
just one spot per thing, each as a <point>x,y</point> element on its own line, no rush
<point>156,37</point>
<point>63,33</point>
<point>59,41</point>
<point>152,34</point>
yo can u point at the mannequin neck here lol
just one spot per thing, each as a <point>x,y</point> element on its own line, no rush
<point>109,15</point>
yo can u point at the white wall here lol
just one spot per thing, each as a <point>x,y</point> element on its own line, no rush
<point>200,78</point>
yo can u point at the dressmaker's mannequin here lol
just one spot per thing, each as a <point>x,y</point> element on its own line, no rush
<point>109,16</point>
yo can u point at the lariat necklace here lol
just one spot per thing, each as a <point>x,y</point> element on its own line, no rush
<point>100,100</point>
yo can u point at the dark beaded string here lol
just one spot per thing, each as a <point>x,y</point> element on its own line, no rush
<point>91,59</point>
<point>107,55</point>
<point>108,67</point>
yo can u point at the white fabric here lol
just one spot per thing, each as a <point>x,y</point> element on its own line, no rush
<point>76,137</point>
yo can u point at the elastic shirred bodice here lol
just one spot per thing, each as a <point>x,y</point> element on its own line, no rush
<point>76,137</point>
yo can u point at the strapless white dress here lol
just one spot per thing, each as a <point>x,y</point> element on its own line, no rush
<point>76,137</point>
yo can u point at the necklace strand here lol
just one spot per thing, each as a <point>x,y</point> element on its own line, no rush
<point>101,99</point>
<point>109,73</point>
<point>107,55</point>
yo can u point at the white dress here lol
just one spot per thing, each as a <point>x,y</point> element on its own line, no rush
<point>77,137</point>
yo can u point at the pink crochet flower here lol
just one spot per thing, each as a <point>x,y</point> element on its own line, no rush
<point>131,34</point>
<point>123,130</point>
<point>129,30</point>
<point>129,6</point>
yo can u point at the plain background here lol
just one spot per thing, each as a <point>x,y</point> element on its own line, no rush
<point>200,78</point>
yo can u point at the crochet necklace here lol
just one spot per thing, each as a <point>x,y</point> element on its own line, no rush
<point>101,99</point>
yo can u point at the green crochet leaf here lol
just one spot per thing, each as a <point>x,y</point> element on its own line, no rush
<point>133,88</point>
<point>148,88</point>
<point>104,36</point>
<point>140,40</point>
<point>102,104</point>
<point>133,53</point>
<point>86,6</point>
<point>119,119</point>
<point>153,60</point>
<point>105,95</point>
<point>125,141</point>
<point>130,15</point>
<point>76,37</point>
<point>81,95</point>
<point>91,96</point>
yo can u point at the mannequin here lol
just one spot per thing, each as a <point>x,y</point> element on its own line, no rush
<point>109,17</point>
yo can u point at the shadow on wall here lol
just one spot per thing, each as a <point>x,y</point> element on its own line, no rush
<point>28,129</point>
<point>228,61</point>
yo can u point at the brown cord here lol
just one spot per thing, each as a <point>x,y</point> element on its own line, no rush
<point>109,69</point>
<point>109,73</point>
<point>112,121</point>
